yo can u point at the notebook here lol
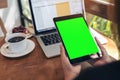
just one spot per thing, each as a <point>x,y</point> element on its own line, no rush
<point>43,12</point>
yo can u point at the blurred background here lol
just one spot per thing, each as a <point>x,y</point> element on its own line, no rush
<point>101,15</point>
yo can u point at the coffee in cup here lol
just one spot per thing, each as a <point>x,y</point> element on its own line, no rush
<point>16,42</point>
<point>16,39</point>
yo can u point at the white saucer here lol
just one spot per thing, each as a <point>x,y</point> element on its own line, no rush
<point>8,53</point>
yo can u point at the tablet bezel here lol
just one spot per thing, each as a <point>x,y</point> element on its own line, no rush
<point>80,59</point>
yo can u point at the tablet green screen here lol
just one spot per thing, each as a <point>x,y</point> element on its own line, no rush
<point>76,37</point>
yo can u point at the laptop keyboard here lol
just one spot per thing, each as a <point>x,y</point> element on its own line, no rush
<point>50,39</point>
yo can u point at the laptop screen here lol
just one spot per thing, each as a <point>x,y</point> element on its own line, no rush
<point>43,12</point>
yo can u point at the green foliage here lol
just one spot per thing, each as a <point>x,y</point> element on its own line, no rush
<point>101,25</point>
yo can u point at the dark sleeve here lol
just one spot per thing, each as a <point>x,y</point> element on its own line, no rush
<point>106,72</point>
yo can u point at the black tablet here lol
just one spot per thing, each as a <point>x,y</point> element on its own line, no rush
<point>76,37</point>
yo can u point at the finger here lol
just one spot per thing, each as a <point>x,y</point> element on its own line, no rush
<point>63,56</point>
<point>98,42</point>
<point>104,52</point>
<point>62,51</point>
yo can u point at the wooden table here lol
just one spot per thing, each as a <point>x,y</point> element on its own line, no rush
<point>36,66</point>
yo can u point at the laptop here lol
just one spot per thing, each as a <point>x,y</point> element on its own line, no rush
<point>43,12</point>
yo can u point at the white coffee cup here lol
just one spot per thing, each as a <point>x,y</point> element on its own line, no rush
<point>16,42</point>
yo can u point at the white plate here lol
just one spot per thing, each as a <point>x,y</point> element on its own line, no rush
<point>8,53</point>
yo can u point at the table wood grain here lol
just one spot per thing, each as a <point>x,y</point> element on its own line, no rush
<point>35,66</point>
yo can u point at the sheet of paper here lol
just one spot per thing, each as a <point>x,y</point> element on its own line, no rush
<point>98,36</point>
<point>63,8</point>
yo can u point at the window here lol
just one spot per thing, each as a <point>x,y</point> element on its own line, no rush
<point>25,12</point>
<point>100,16</point>
<point>100,24</point>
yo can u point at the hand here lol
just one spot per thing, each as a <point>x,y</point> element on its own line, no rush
<point>70,71</point>
<point>105,59</point>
